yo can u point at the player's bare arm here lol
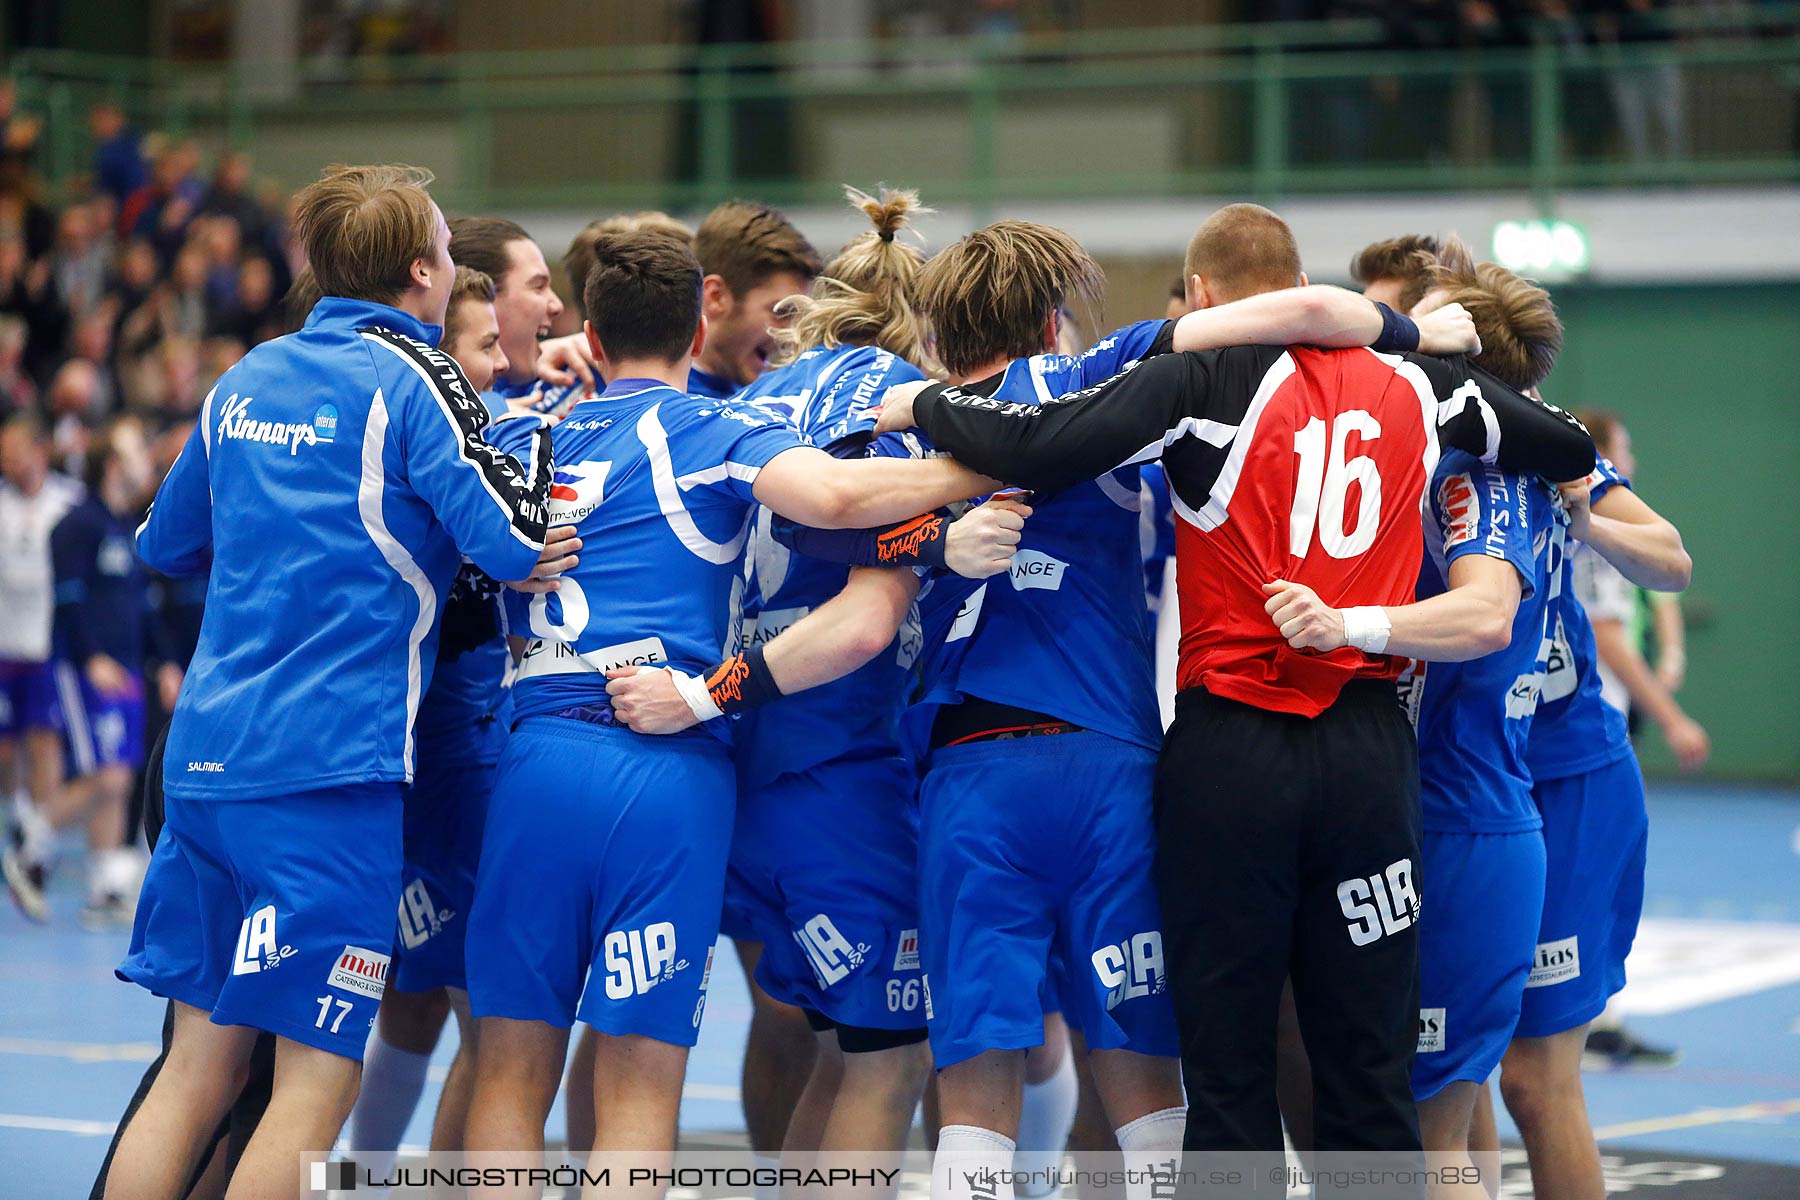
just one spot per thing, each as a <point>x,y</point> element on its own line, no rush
<point>1317,315</point>
<point>828,643</point>
<point>810,486</point>
<point>1473,618</point>
<point>1644,545</point>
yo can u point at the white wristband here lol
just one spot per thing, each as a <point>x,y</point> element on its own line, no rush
<point>1367,628</point>
<point>693,690</point>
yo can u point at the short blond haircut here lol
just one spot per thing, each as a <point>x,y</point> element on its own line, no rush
<point>989,295</point>
<point>362,228</point>
<point>1520,332</point>
<point>470,285</point>
<point>1243,250</point>
<point>864,297</point>
<point>578,260</point>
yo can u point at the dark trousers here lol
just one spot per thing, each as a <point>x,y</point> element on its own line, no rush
<point>1290,846</point>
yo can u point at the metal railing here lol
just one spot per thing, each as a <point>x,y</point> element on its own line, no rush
<point>1260,110</point>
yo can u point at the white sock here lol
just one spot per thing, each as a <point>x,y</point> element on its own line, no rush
<point>967,1155</point>
<point>1152,1143</point>
<point>392,1080</point>
<point>1045,1118</point>
<point>34,830</point>
<point>112,871</point>
<point>763,1185</point>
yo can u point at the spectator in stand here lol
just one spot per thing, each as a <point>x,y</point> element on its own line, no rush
<point>73,414</point>
<point>28,291</point>
<point>119,165</point>
<point>81,259</point>
<point>18,391</point>
<point>162,209</point>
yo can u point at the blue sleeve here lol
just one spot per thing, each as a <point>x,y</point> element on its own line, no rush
<point>1604,478</point>
<point>852,405</point>
<point>1112,353</point>
<point>176,537</point>
<point>494,505</point>
<point>1482,510</point>
<point>74,562</point>
<point>748,439</point>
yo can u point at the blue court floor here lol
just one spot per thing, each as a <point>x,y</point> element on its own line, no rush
<point>1716,973</point>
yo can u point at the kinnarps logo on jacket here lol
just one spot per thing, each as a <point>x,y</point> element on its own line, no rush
<point>238,425</point>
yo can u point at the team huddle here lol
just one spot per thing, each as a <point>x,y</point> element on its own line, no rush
<point>804,602</point>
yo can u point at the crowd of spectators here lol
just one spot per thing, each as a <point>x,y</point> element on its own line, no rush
<point>150,277</point>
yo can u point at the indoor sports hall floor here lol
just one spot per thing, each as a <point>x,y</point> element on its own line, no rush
<point>1716,973</point>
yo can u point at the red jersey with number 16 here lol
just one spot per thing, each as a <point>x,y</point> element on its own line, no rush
<point>1321,485</point>
<point>1283,464</point>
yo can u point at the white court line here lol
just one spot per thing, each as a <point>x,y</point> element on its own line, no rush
<point>82,1051</point>
<point>57,1125</point>
<point>1699,1117</point>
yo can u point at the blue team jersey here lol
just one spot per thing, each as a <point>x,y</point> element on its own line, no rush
<point>658,483</point>
<point>1474,717</point>
<point>339,476</point>
<point>830,396</point>
<point>1576,731</point>
<point>464,715</point>
<point>1066,632</point>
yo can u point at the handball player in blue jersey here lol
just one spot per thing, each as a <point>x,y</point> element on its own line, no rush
<point>1588,789</point>
<point>337,476</point>
<point>603,860</point>
<point>460,729</point>
<point>823,865</point>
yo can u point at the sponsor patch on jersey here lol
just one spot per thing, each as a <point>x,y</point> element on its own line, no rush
<point>1555,962</point>
<point>1456,500</point>
<point>544,657</point>
<point>576,490</point>
<point>968,616</point>
<point>1431,1030</point>
<point>237,425</point>
<point>1035,569</point>
<point>359,970</point>
<point>906,957</point>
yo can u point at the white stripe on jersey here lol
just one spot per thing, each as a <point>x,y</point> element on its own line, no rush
<point>458,431</point>
<point>668,492</point>
<point>1117,492</point>
<point>369,493</point>
<point>1225,486</point>
<point>1428,416</point>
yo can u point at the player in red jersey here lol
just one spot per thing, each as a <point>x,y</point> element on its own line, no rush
<point>1288,801</point>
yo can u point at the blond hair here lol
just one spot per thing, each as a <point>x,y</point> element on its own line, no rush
<point>578,259</point>
<point>362,228</point>
<point>989,295</point>
<point>1520,332</point>
<point>470,285</point>
<point>1412,259</point>
<point>1243,250</point>
<point>864,296</point>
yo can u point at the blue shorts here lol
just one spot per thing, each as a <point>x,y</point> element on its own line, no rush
<point>605,849</point>
<point>737,917</point>
<point>1030,848</point>
<point>1595,837</point>
<point>1483,895</point>
<point>28,698</point>
<point>828,859</point>
<point>103,731</point>
<point>274,913</point>
<point>446,808</point>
